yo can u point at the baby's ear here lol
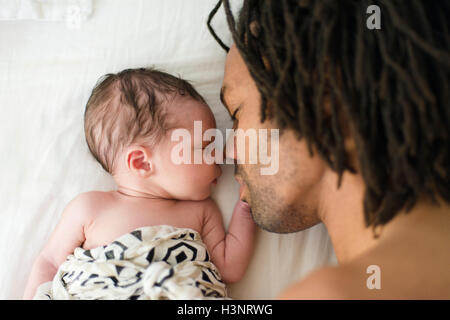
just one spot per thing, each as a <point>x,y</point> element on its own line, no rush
<point>138,161</point>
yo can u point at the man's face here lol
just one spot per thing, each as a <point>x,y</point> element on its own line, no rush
<point>286,201</point>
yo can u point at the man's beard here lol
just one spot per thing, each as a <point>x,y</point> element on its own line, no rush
<point>270,211</point>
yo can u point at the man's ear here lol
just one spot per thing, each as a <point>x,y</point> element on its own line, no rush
<point>139,161</point>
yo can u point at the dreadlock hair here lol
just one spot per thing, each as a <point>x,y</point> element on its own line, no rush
<point>321,72</point>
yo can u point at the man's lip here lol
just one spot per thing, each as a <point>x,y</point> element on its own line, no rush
<point>214,181</point>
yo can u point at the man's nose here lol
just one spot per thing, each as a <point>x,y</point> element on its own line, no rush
<point>229,151</point>
<point>219,169</point>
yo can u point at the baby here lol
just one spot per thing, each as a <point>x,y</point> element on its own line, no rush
<point>128,123</point>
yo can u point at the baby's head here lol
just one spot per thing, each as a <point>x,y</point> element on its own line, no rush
<point>128,123</point>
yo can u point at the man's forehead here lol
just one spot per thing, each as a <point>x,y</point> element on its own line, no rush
<point>236,72</point>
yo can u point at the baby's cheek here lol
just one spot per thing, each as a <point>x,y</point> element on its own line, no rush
<point>189,183</point>
<point>199,174</point>
<point>192,175</point>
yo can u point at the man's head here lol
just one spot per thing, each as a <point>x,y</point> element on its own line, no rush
<point>128,122</point>
<point>346,98</point>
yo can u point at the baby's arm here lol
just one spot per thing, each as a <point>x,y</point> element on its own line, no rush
<point>231,251</point>
<point>68,234</point>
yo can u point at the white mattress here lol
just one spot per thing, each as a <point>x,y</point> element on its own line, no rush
<point>47,71</point>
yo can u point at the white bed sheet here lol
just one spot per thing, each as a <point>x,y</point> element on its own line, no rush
<point>46,74</point>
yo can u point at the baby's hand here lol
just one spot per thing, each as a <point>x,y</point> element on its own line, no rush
<point>243,208</point>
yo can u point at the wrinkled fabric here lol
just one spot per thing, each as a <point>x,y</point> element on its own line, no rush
<point>149,263</point>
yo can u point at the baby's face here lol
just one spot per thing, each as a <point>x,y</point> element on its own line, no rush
<point>193,180</point>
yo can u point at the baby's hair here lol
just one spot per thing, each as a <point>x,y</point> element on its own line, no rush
<point>129,108</point>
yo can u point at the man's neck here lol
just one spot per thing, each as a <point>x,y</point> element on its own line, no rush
<point>341,210</point>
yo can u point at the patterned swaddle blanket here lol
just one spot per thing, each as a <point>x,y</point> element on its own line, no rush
<point>157,262</point>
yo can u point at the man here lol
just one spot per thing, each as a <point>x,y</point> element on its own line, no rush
<point>364,122</point>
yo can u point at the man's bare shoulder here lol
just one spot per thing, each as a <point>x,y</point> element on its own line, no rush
<point>331,283</point>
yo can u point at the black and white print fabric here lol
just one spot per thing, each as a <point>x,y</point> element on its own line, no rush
<point>157,262</point>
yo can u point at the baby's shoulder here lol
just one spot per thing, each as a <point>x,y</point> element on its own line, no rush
<point>88,204</point>
<point>205,209</point>
<point>194,208</point>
